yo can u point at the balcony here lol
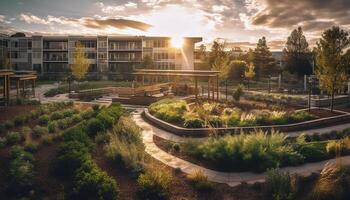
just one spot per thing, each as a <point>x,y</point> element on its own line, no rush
<point>56,59</point>
<point>125,59</point>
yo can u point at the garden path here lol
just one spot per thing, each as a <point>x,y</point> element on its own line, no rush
<point>230,178</point>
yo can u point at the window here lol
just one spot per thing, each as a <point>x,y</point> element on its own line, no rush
<point>102,56</point>
<point>102,44</point>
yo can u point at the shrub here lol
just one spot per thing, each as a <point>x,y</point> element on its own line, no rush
<point>300,116</point>
<point>102,138</point>
<point>47,139</point>
<point>169,110</point>
<point>13,138</point>
<point>193,123</point>
<point>154,185</point>
<point>2,128</point>
<point>200,181</point>
<point>237,94</point>
<point>77,134</point>
<point>20,120</point>
<point>31,147</point>
<point>176,147</point>
<point>215,121</point>
<point>9,124</point>
<point>63,123</point>
<point>93,183</point>
<point>56,115</point>
<point>87,114</point>
<point>313,152</point>
<point>96,107</point>
<point>2,142</point>
<point>52,127</point>
<point>39,131</point>
<point>70,112</point>
<point>279,185</point>
<point>44,119</point>
<point>94,126</point>
<point>34,114</point>
<point>76,118</point>
<point>256,151</point>
<point>70,156</point>
<point>20,171</point>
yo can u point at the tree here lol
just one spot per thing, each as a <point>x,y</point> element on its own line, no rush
<point>297,55</point>
<point>4,60</point>
<point>236,69</point>
<point>263,61</point>
<point>218,59</point>
<point>202,55</point>
<point>249,72</point>
<point>332,62</point>
<point>147,62</point>
<point>81,64</point>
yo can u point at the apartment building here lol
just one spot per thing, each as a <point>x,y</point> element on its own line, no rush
<point>110,57</point>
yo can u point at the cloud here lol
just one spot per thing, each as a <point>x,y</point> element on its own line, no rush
<point>313,15</point>
<point>116,23</point>
<point>93,23</point>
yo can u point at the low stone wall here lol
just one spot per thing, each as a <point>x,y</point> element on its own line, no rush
<point>202,132</point>
<point>140,100</point>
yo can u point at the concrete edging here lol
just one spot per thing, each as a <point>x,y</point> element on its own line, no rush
<point>203,132</point>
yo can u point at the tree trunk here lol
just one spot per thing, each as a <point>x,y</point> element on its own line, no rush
<point>332,99</point>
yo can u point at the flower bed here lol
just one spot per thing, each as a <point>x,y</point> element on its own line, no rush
<point>217,115</point>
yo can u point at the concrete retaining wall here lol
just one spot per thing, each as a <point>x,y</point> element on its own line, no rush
<point>202,132</point>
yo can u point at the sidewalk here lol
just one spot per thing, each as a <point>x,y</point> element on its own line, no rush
<point>230,178</point>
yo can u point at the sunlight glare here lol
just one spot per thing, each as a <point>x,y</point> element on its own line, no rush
<point>177,42</point>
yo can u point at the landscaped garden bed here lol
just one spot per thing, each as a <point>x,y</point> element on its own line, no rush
<point>258,151</point>
<point>221,116</point>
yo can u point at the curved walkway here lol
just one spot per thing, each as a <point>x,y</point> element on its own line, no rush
<point>230,178</point>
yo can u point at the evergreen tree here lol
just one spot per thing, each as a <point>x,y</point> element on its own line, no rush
<point>297,55</point>
<point>263,61</point>
<point>332,61</point>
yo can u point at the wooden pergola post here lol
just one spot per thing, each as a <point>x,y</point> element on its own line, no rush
<point>17,87</point>
<point>33,88</point>
<point>217,88</point>
<point>208,88</point>
<point>196,87</point>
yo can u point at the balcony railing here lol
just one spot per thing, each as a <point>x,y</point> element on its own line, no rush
<point>125,59</point>
<point>56,59</point>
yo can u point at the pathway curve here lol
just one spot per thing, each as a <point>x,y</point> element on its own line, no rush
<point>230,178</point>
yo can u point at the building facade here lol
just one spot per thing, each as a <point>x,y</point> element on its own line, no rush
<point>110,57</point>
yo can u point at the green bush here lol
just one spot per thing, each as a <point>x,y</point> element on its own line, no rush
<point>70,156</point>
<point>94,126</point>
<point>154,185</point>
<point>169,110</point>
<point>76,118</point>
<point>31,147</point>
<point>34,114</point>
<point>70,112</point>
<point>193,123</point>
<point>313,152</point>
<point>52,127</point>
<point>39,131</point>
<point>2,142</point>
<point>237,94</point>
<point>77,134</point>
<point>20,120</point>
<point>200,181</point>
<point>87,114</point>
<point>102,138</point>
<point>93,183</point>
<point>63,123</point>
<point>13,138</point>
<point>300,116</point>
<point>279,185</point>
<point>256,151</point>
<point>9,124</point>
<point>56,115</point>
<point>215,121</point>
<point>44,119</point>
<point>20,171</point>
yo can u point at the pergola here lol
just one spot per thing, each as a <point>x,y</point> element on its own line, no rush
<point>6,73</point>
<point>211,76</point>
<point>21,79</point>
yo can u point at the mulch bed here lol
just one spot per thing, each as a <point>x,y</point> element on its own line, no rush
<point>10,112</point>
<point>321,113</point>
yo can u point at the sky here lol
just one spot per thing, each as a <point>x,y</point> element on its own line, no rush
<point>239,22</point>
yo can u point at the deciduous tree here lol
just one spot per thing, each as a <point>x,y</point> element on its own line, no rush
<point>81,65</point>
<point>249,72</point>
<point>332,61</point>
